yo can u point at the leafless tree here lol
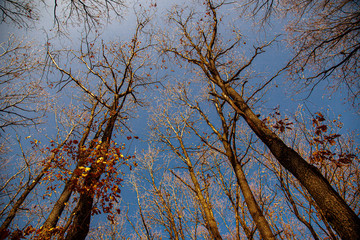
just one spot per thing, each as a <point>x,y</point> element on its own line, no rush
<point>92,13</point>
<point>21,93</point>
<point>201,45</point>
<point>324,36</point>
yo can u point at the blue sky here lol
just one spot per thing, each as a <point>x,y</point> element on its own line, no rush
<point>266,65</point>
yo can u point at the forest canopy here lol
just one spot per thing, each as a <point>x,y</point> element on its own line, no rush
<point>205,119</point>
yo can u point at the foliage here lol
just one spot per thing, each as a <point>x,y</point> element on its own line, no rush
<point>223,156</point>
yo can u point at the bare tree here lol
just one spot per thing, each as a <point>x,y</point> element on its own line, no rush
<point>226,134</point>
<point>21,90</point>
<point>171,131</point>
<point>324,36</point>
<point>93,13</point>
<point>202,47</point>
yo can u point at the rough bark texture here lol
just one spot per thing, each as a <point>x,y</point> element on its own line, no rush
<point>81,223</point>
<point>341,217</point>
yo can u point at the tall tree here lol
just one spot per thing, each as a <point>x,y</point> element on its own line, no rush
<point>118,75</point>
<point>227,136</point>
<point>203,47</point>
<point>172,133</point>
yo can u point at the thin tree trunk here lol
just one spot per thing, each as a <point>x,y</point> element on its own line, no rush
<point>22,198</point>
<point>29,188</point>
<point>207,211</point>
<point>209,216</point>
<point>253,207</point>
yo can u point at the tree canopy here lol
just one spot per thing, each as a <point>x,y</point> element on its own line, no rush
<point>209,119</point>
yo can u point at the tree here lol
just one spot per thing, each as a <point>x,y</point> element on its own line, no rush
<point>202,47</point>
<point>323,36</point>
<point>92,12</point>
<point>319,140</point>
<point>89,164</point>
<point>118,79</point>
<point>222,162</point>
<point>166,197</point>
<point>35,165</point>
<point>172,132</point>
<point>227,135</point>
<point>21,93</point>
<point>189,122</point>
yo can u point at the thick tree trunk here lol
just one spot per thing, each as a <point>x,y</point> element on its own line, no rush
<point>341,217</point>
<point>82,215</point>
<point>79,228</point>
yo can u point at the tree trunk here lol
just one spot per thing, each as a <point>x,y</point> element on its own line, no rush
<point>60,204</point>
<point>253,207</point>
<point>208,215</point>
<point>82,216</point>
<point>22,198</point>
<point>341,217</point>
<point>79,228</point>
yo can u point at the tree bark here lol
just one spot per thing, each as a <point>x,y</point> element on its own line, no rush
<point>341,217</point>
<point>82,215</point>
